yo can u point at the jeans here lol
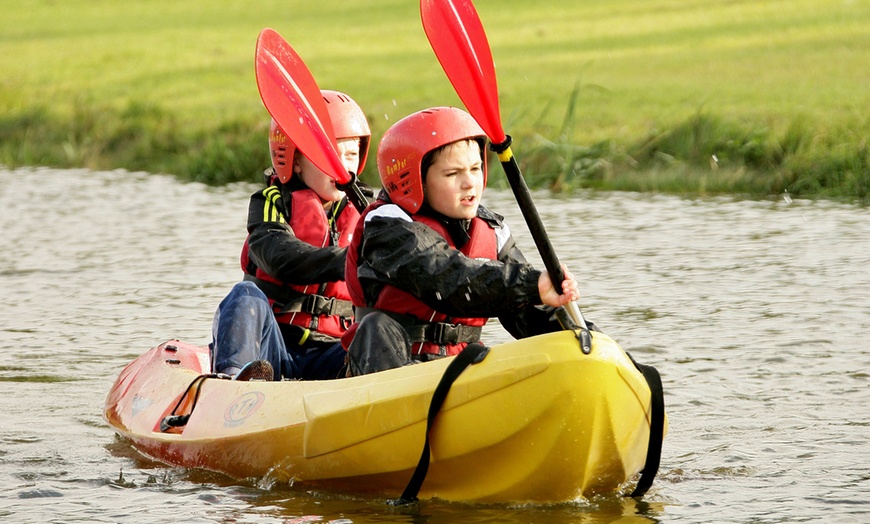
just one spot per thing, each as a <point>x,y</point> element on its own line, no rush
<point>245,329</point>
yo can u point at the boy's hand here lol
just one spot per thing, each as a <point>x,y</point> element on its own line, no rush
<point>551,297</point>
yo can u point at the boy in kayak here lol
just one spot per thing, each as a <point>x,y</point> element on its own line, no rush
<point>428,265</point>
<point>286,317</point>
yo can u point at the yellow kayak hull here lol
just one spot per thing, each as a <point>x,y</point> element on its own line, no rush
<point>536,421</point>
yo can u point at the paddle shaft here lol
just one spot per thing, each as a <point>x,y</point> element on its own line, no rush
<point>533,221</point>
<point>457,36</point>
<point>354,193</point>
<point>530,213</point>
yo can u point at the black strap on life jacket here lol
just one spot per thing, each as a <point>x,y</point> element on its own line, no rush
<point>440,333</point>
<point>656,429</point>
<point>443,333</point>
<point>472,354</point>
<point>292,301</point>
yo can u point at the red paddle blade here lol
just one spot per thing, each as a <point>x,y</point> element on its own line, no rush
<point>459,41</point>
<point>292,97</point>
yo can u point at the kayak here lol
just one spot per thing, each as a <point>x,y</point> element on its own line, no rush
<point>536,420</point>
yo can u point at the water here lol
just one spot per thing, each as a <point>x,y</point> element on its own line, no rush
<point>755,313</point>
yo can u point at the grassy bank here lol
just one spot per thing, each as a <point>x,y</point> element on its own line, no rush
<point>697,97</point>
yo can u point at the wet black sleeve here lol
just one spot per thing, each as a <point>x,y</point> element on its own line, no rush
<point>275,249</point>
<point>413,257</point>
<point>533,319</point>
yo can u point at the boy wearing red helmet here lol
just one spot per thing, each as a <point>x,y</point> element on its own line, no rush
<point>293,305</point>
<point>428,265</point>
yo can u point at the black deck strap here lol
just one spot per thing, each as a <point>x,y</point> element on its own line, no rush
<point>172,420</point>
<point>472,354</point>
<point>656,429</point>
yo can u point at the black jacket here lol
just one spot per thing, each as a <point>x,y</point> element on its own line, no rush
<point>275,249</point>
<point>407,254</point>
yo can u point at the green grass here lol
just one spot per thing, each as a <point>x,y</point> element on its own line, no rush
<point>635,95</point>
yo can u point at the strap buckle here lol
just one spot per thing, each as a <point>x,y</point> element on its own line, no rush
<point>326,306</point>
<point>318,305</point>
<point>442,333</point>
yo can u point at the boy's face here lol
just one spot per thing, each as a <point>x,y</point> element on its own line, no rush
<point>454,182</point>
<point>320,182</point>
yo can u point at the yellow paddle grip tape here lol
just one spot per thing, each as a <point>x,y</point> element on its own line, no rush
<point>506,155</point>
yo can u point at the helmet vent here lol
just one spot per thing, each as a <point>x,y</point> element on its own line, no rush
<point>403,183</point>
<point>280,155</point>
<point>341,96</point>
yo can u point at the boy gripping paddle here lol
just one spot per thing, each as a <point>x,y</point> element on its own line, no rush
<point>428,265</point>
<point>292,307</point>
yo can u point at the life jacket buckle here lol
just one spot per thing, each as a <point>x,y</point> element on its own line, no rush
<point>442,333</point>
<point>318,305</point>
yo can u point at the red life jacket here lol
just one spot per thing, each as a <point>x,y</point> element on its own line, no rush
<point>482,243</point>
<point>310,224</point>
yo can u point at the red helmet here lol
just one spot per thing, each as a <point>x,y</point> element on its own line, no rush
<point>403,146</point>
<point>348,121</point>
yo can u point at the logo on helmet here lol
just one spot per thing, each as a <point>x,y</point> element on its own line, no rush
<point>397,166</point>
<point>278,136</point>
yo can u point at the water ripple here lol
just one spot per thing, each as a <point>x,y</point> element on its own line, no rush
<point>755,313</point>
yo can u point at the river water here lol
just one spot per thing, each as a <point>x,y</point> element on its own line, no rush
<point>756,313</point>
